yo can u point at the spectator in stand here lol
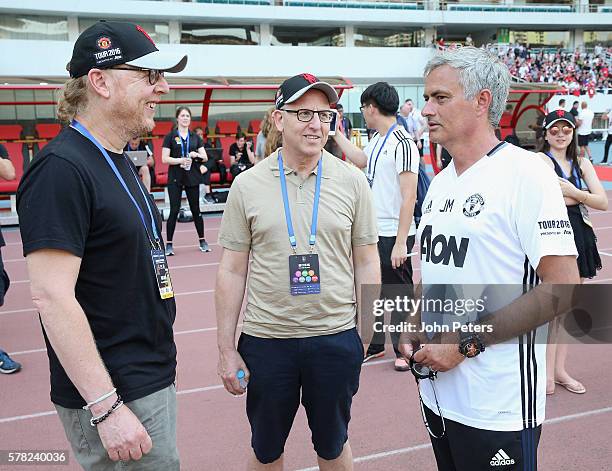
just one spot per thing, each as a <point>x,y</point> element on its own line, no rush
<point>7,172</point>
<point>183,150</point>
<point>468,40</point>
<point>608,139</point>
<point>241,155</point>
<point>585,129</point>
<point>574,110</point>
<point>144,171</point>
<point>205,170</point>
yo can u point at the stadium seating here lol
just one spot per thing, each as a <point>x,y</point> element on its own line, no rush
<point>161,169</point>
<point>229,128</point>
<point>239,2</point>
<point>356,4</point>
<point>510,8</point>
<point>15,152</point>
<point>254,126</point>
<point>10,132</point>
<point>47,130</point>
<point>162,128</point>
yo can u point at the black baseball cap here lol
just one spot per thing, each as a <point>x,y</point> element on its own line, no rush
<point>110,43</point>
<point>293,88</point>
<point>559,115</point>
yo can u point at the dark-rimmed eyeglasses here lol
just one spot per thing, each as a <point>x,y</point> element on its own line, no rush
<point>363,107</point>
<point>154,74</point>
<point>567,130</point>
<point>304,115</point>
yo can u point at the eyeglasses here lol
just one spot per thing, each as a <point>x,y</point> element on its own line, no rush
<point>363,107</point>
<point>567,130</point>
<point>154,74</point>
<point>305,116</point>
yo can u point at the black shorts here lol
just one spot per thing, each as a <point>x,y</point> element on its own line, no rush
<point>323,370</point>
<point>583,141</point>
<point>463,447</point>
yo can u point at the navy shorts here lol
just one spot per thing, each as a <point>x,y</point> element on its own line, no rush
<point>323,371</point>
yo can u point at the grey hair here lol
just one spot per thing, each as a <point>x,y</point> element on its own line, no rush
<point>72,99</point>
<point>478,70</point>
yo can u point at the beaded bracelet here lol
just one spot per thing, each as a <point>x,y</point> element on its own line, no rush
<point>97,420</point>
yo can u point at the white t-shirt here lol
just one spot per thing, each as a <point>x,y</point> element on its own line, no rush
<point>399,154</point>
<point>492,225</point>
<point>586,116</point>
<point>419,119</point>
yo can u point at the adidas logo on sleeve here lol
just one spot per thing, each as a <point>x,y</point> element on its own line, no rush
<point>501,458</point>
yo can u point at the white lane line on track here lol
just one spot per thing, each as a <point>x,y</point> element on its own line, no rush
<point>606,254</point>
<point>179,393</point>
<point>424,446</point>
<point>16,311</point>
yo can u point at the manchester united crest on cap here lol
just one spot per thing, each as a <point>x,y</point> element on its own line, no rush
<point>104,42</point>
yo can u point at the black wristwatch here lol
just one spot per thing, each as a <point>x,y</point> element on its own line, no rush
<point>470,345</point>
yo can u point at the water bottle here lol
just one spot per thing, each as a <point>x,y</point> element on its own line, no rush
<point>187,166</point>
<point>241,379</point>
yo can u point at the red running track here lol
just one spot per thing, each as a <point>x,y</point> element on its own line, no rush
<point>386,430</point>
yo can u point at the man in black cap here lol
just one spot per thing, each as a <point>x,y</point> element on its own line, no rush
<point>299,341</point>
<point>92,241</point>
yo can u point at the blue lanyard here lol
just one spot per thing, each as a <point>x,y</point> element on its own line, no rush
<point>183,153</point>
<point>574,171</point>
<point>81,129</point>
<point>371,180</point>
<point>315,207</point>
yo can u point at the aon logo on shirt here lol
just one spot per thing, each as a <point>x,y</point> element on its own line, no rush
<point>442,250</point>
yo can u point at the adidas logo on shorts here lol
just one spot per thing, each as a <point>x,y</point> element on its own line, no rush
<point>501,458</point>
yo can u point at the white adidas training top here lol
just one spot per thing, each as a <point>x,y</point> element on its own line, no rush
<point>492,225</point>
<point>399,154</point>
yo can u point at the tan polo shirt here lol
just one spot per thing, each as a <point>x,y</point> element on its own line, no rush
<point>254,220</point>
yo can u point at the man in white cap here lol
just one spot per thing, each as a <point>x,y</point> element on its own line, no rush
<point>307,220</point>
<point>92,240</point>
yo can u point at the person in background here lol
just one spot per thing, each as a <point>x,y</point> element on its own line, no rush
<point>262,136</point>
<point>344,124</point>
<point>608,139</point>
<point>559,152</point>
<point>183,150</point>
<point>241,155</point>
<point>443,158</point>
<point>574,109</point>
<point>7,172</point>
<point>584,120</point>
<point>144,171</point>
<point>205,170</point>
<point>561,104</point>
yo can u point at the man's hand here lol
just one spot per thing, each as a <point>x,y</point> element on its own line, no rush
<point>419,144</point>
<point>123,436</point>
<point>439,357</point>
<point>230,362</point>
<point>399,254</point>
